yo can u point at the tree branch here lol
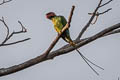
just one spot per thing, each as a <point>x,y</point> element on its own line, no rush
<point>113,32</point>
<point>63,50</point>
<point>89,22</point>
<point>98,14</point>
<point>8,36</point>
<point>3,2</point>
<point>7,44</point>
<point>106,3</point>
<point>92,17</point>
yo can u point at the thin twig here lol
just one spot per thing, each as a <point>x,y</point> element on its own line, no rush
<point>106,3</point>
<point>15,42</point>
<point>71,13</point>
<point>105,11</point>
<point>23,28</point>
<point>98,14</point>
<point>3,2</point>
<point>2,20</point>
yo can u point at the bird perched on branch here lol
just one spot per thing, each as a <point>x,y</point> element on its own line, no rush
<point>59,23</point>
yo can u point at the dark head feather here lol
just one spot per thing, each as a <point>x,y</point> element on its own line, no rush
<point>50,15</point>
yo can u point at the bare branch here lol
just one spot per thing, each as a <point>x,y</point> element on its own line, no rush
<point>105,11</point>
<point>8,36</point>
<point>98,14</point>
<point>63,50</point>
<point>94,14</point>
<point>15,42</point>
<point>71,13</point>
<point>23,28</point>
<point>89,22</point>
<point>2,20</point>
<point>3,2</point>
<point>106,3</point>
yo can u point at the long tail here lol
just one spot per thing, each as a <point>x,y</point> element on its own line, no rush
<point>86,59</point>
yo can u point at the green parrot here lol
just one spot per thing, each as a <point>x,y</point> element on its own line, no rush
<point>59,23</point>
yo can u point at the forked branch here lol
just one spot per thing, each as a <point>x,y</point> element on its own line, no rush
<point>94,14</point>
<point>8,36</point>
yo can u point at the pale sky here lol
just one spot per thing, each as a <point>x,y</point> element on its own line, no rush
<point>104,52</point>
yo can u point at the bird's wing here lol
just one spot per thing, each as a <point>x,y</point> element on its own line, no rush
<point>66,34</point>
<point>63,20</point>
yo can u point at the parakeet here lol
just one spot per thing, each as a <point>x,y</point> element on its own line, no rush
<point>59,23</point>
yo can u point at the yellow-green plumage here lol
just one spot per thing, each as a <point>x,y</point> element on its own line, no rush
<point>59,22</point>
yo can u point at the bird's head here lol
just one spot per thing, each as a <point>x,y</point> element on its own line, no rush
<point>50,15</point>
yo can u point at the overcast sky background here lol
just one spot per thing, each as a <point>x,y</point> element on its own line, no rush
<point>104,52</point>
